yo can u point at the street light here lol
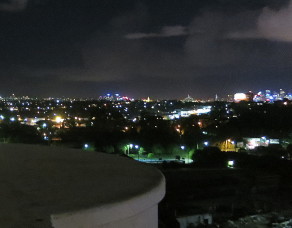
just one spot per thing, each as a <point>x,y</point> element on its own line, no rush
<point>206,143</point>
<point>137,147</point>
<point>128,148</point>
<point>230,164</point>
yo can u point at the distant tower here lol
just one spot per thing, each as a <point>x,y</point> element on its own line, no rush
<point>230,98</point>
<point>216,97</point>
<point>117,97</point>
<point>268,95</point>
<point>282,93</point>
<point>275,95</point>
<point>188,99</point>
<point>249,96</point>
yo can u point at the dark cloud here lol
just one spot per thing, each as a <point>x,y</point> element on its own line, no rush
<point>13,5</point>
<point>167,31</point>
<point>110,57</point>
<point>145,48</point>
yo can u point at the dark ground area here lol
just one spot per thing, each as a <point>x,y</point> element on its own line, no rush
<point>225,193</point>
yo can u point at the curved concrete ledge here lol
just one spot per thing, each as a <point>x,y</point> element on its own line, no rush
<point>59,187</point>
<point>113,213</point>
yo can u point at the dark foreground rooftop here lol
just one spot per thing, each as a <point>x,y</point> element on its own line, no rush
<point>48,186</point>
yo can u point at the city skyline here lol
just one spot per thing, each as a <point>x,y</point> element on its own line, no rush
<point>85,48</point>
<point>264,93</point>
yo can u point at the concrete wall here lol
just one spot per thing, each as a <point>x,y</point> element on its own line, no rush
<point>144,219</point>
<point>137,212</point>
<point>53,187</point>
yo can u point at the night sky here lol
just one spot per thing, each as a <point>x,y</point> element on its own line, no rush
<point>156,48</point>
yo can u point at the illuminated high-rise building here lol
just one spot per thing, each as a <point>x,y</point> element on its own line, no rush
<point>249,96</point>
<point>216,97</point>
<point>282,93</point>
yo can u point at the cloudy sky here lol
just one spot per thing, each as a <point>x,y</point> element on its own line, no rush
<point>156,48</point>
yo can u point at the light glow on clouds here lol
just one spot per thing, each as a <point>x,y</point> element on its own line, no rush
<point>271,25</point>
<point>276,25</point>
<point>166,31</point>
